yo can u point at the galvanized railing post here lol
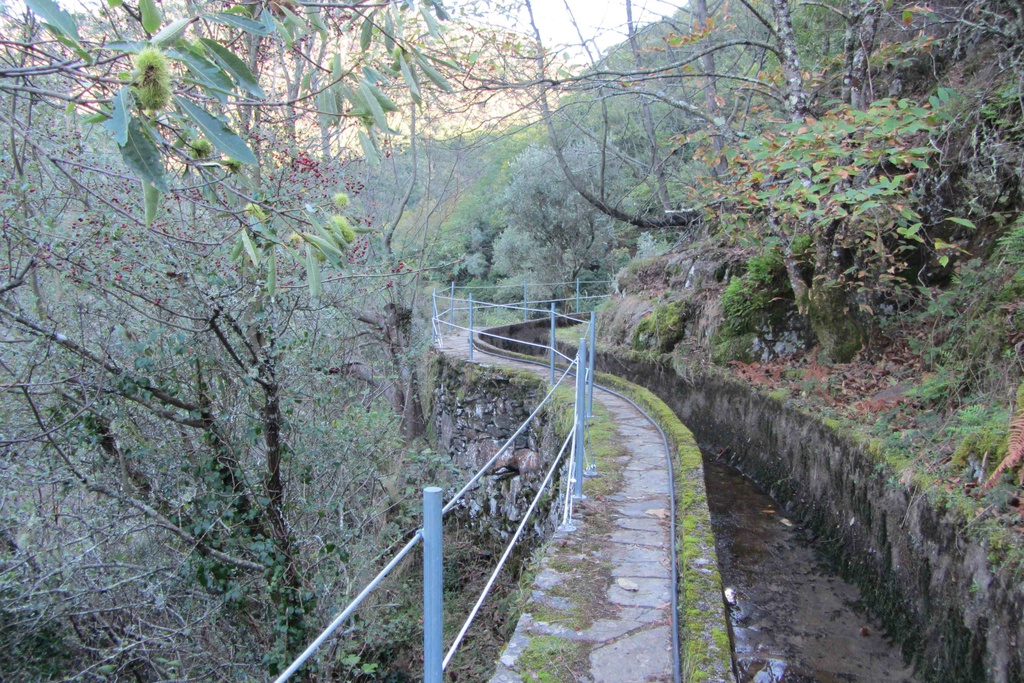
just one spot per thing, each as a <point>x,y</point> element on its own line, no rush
<point>592,348</point>
<point>581,419</point>
<point>471,326</point>
<point>433,612</point>
<point>433,316</point>
<point>451,308</point>
<point>577,295</point>
<point>525,300</point>
<point>552,354</point>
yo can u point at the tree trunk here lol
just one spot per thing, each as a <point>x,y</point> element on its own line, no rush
<point>707,61</point>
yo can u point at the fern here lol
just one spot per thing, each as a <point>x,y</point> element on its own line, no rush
<point>1015,456</point>
<point>1012,243</point>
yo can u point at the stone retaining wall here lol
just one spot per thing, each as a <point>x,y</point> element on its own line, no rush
<point>473,409</point>
<point>960,615</point>
<point>942,592</point>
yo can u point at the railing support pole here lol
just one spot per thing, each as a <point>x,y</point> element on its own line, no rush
<point>592,348</point>
<point>433,317</point>
<point>525,300</point>
<point>471,326</point>
<point>581,419</point>
<point>577,295</point>
<point>451,307</point>
<point>433,613</point>
<point>552,354</point>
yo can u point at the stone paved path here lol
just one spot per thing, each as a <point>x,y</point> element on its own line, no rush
<point>600,609</point>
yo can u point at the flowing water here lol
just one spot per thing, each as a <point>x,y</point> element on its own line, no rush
<point>793,619</point>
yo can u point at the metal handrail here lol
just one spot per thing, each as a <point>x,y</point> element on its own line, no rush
<point>347,612</point>
<point>536,284</point>
<point>504,557</point>
<point>583,364</point>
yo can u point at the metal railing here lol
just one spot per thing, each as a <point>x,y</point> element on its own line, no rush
<point>444,322</point>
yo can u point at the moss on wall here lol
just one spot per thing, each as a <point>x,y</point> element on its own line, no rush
<point>703,625</point>
<point>663,328</point>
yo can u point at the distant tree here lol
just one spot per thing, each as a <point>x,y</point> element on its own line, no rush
<point>553,234</point>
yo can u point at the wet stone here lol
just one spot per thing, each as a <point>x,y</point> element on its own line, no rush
<point>633,537</point>
<point>636,658</point>
<point>651,593</point>
<point>641,524</point>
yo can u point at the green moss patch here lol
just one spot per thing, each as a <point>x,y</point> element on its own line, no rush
<point>548,659</point>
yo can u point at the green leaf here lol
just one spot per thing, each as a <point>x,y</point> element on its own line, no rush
<point>315,19</point>
<point>151,196</point>
<point>117,124</point>
<point>313,273</point>
<point>433,74</point>
<point>366,34</point>
<point>295,26</point>
<point>325,246</point>
<point>272,273</point>
<point>151,17</point>
<point>389,33</point>
<point>209,75</point>
<point>218,132</point>
<point>170,33</point>
<point>327,105</point>
<point>132,47</point>
<point>962,221</point>
<point>432,27</point>
<point>57,20</point>
<point>249,247</point>
<point>257,28</point>
<point>369,148</point>
<point>234,66</point>
<point>141,155</point>
<point>410,80</point>
<point>379,117</point>
<point>385,102</point>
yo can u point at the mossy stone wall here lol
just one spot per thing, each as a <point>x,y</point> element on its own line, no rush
<point>918,565</point>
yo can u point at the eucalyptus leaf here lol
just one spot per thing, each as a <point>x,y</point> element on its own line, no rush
<point>217,131</point>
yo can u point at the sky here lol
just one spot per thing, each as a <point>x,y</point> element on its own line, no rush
<point>601,21</point>
<point>605,20</point>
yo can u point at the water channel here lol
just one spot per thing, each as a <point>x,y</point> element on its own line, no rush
<point>793,619</point>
